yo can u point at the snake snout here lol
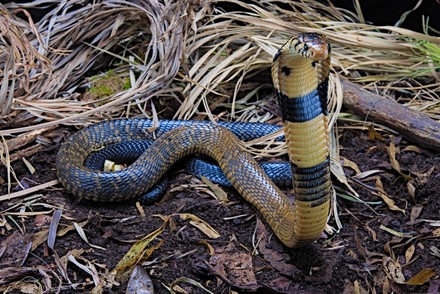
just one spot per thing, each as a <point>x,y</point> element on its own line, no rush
<point>312,46</point>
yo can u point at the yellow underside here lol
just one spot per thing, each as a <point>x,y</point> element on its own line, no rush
<point>307,142</point>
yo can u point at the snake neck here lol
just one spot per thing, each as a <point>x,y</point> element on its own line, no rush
<point>301,84</point>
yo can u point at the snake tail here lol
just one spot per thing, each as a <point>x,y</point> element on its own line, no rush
<point>300,73</point>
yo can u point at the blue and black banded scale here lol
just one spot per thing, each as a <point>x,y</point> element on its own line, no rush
<point>300,74</point>
<point>299,71</point>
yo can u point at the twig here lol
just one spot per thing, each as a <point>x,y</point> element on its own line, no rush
<point>28,191</point>
<point>412,124</point>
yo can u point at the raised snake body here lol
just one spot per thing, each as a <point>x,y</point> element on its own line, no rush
<point>300,73</point>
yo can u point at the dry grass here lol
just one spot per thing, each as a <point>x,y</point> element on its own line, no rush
<point>193,50</point>
<point>196,52</point>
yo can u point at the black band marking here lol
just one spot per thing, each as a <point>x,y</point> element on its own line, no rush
<point>323,90</point>
<point>317,169</point>
<point>312,182</point>
<point>301,109</point>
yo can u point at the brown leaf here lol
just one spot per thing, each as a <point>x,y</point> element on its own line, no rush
<point>359,246</point>
<point>277,260</point>
<point>200,224</point>
<point>411,191</point>
<point>415,213</point>
<point>137,251</point>
<point>394,163</point>
<point>409,253</point>
<point>15,249</point>
<point>412,148</point>
<point>381,193</point>
<point>421,277</point>
<point>393,270</point>
<point>234,266</point>
<point>348,163</point>
<point>358,289</point>
<point>372,232</point>
<point>373,134</point>
<point>219,193</point>
<point>392,154</point>
<point>423,178</point>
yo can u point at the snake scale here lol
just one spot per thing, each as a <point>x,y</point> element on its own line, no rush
<point>300,72</point>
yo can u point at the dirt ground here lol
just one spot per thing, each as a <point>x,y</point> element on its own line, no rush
<point>378,250</point>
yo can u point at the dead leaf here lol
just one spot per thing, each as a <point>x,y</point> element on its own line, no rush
<point>140,209</point>
<point>372,232</point>
<point>358,244</point>
<point>15,249</point>
<point>89,267</point>
<point>392,155</point>
<point>111,166</point>
<point>393,270</point>
<point>394,163</point>
<point>83,236</point>
<point>411,191</point>
<point>209,246</point>
<point>278,260</point>
<point>200,224</point>
<point>29,165</point>
<point>137,252</point>
<point>421,277</point>
<point>281,285</point>
<point>391,231</point>
<point>234,266</point>
<point>434,251</point>
<point>415,213</point>
<point>358,289</point>
<point>412,148</point>
<point>53,228</point>
<point>218,191</point>
<point>42,220</point>
<point>348,163</point>
<point>367,173</point>
<point>409,253</point>
<point>423,178</point>
<point>373,134</point>
<point>140,282</point>
<point>382,194</point>
<point>176,288</point>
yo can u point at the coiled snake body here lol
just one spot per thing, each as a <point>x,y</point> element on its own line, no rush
<point>300,73</point>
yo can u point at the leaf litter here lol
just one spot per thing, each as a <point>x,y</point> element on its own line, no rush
<point>389,245</point>
<point>177,253</point>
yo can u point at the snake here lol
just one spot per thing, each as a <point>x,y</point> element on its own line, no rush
<point>300,72</point>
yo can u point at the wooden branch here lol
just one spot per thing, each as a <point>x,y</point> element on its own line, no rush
<point>412,124</point>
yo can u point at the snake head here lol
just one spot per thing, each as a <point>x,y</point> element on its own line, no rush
<point>311,46</point>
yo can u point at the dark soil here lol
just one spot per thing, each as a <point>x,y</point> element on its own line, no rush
<point>362,257</point>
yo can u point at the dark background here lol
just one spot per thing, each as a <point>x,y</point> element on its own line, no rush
<point>378,12</point>
<point>388,12</point>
